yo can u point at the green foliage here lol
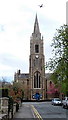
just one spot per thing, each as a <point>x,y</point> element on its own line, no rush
<point>59,63</point>
<point>10,105</point>
<point>17,87</point>
<point>22,93</point>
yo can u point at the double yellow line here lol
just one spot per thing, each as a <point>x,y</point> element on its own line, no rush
<point>37,115</point>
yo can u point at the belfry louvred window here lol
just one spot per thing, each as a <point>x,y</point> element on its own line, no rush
<point>36,48</point>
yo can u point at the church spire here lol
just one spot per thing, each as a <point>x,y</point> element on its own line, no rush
<point>36,26</point>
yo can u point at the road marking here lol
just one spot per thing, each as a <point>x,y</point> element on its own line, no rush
<point>36,113</point>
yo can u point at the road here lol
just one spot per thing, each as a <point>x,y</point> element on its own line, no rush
<point>49,112</point>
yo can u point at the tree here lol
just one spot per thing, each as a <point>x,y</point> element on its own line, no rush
<point>59,63</point>
<point>52,90</point>
<point>16,91</point>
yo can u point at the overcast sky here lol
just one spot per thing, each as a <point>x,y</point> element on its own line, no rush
<point>17,19</point>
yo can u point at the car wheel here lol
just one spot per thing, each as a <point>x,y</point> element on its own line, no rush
<point>63,106</point>
<point>54,104</point>
<point>66,106</point>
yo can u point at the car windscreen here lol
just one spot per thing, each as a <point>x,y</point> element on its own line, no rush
<point>57,99</point>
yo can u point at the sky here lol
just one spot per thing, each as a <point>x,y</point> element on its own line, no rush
<point>17,19</point>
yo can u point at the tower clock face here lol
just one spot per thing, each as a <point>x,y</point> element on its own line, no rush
<point>36,56</point>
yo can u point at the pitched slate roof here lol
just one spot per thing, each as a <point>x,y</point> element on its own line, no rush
<point>24,75</point>
<point>47,76</point>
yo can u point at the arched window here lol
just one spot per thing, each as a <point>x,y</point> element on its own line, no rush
<point>50,83</point>
<point>36,48</point>
<point>37,80</point>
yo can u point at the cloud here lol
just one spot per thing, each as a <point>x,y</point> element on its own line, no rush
<point>16,26</point>
<point>10,61</point>
<point>20,10</point>
<point>9,64</point>
<point>1,28</point>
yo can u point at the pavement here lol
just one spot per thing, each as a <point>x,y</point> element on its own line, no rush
<point>25,111</point>
<point>3,116</point>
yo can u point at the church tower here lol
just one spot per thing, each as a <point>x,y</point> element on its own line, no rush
<point>36,66</point>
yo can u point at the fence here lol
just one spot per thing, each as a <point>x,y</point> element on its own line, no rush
<point>7,108</point>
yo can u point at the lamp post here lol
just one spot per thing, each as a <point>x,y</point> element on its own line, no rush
<point>46,89</point>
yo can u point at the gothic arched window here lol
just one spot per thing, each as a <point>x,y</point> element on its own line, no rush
<point>36,48</point>
<point>37,80</point>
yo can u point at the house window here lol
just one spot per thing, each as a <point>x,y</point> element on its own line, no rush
<point>50,83</point>
<point>37,80</point>
<point>36,48</point>
<point>27,82</point>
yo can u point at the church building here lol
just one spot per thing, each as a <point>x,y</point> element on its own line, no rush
<point>34,83</point>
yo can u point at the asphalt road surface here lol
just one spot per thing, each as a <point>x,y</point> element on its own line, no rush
<point>49,111</point>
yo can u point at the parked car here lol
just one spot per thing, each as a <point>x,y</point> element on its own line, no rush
<point>56,101</point>
<point>65,102</point>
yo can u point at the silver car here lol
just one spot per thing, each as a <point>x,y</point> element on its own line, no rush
<point>65,102</point>
<point>56,101</point>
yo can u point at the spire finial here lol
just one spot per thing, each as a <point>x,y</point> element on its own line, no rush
<point>36,25</point>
